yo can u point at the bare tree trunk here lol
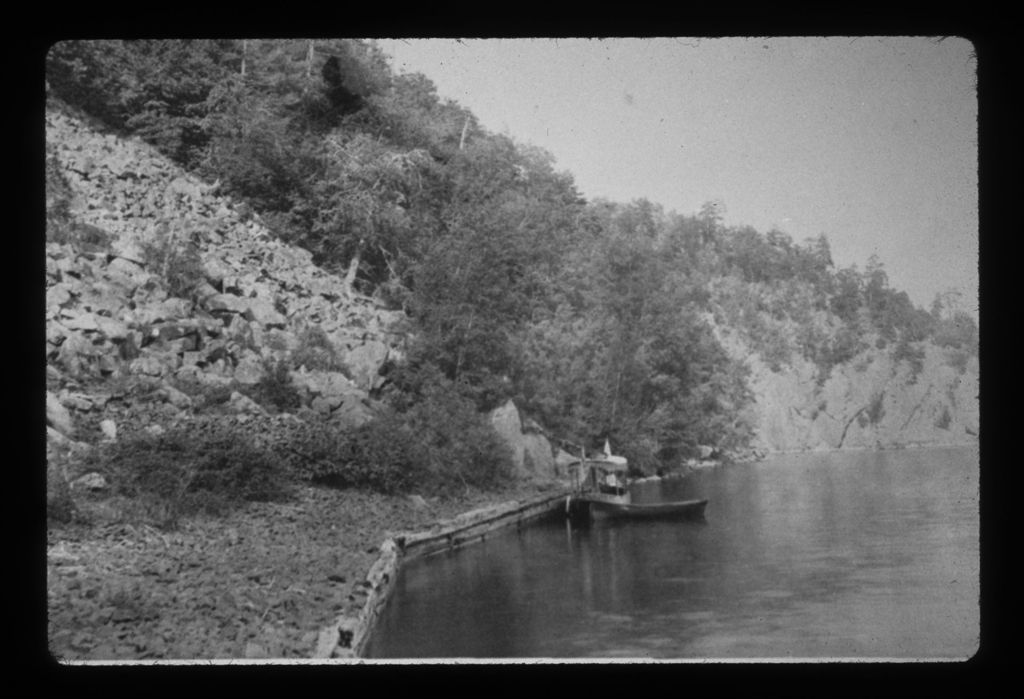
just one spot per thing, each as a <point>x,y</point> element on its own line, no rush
<point>309,58</point>
<point>353,267</point>
<point>245,51</point>
<point>462,139</point>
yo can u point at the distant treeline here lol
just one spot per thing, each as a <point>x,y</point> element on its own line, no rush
<point>596,317</point>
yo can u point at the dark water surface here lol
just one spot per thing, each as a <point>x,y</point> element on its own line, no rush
<point>838,555</point>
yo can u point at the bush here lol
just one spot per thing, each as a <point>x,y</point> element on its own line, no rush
<point>434,444</point>
<point>913,355</point>
<point>178,473</point>
<point>381,455</point>
<point>176,261</point>
<point>276,390</point>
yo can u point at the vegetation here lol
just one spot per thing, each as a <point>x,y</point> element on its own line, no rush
<point>175,473</point>
<point>598,318</point>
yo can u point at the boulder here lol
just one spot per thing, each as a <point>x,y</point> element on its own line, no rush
<point>264,313</point>
<point>76,401</point>
<point>505,421</point>
<point>537,456</point>
<point>245,405</point>
<point>112,328</point>
<point>249,370</point>
<point>58,417</point>
<point>109,430</point>
<point>91,481</point>
<point>147,365</point>
<point>227,303</point>
<point>83,322</point>
<point>175,397</point>
<point>365,362</point>
<point>57,295</point>
<point>331,385</point>
<point>352,413</point>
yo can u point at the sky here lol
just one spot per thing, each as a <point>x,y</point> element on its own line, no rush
<point>869,140</point>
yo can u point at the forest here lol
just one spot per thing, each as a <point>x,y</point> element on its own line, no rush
<point>597,318</point>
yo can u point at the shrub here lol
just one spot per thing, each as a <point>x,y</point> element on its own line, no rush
<point>913,355</point>
<point>276,390</point>
<point>176,261</point>
<point>178,473</point>
<point>381,455</point>
<point>459,443</point>
<point>436,443</point>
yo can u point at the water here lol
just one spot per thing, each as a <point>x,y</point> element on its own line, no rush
<point>839,555</point>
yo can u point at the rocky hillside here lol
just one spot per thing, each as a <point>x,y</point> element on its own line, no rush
<point>111,316</point>
<point>872,401</point>
<point>125,353</point>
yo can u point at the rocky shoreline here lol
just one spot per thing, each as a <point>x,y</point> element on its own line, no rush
<point>257,583</point>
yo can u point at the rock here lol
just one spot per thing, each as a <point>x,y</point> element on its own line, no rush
<point>175,309</point>
<point>77,401</point>
<point>91,481</point>
<point>227,303</point>
<point>249,370</point>
<point>264,313</point>
<point>109,429</point>
<point>113,329</point>
<point>58,417</point>
<point>537,456</point>
<point>84,322</point>
<point>505,421</point>
<point>255,650</point>
<point>57,295</point>
<point>328,384</point>
<point>242,404</point>
<point>321,405</point>
<point>352,413</point>
<point>146,365</point>
<point>129,269</point>
<point>175,397</point>
<point>55,332</point>
<point>365,362</point>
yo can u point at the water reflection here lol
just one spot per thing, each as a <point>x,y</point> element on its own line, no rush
<point>836,555</point>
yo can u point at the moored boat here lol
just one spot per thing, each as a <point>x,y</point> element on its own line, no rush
<point>682,509</point>
<point>602,492</point>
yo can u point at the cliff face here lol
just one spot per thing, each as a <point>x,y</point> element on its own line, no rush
<point>869,402</point>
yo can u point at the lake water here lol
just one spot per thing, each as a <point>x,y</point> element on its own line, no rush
<point>837,555</point>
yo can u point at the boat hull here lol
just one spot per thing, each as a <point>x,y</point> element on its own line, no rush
<point>685,509</point>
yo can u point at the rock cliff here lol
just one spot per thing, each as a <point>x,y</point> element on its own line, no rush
<point>872,401</point>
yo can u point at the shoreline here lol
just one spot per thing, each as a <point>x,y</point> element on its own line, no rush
<point>258,583</point>
<point>261,583</point>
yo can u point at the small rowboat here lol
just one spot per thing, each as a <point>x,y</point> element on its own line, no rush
<point>683,509</point>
